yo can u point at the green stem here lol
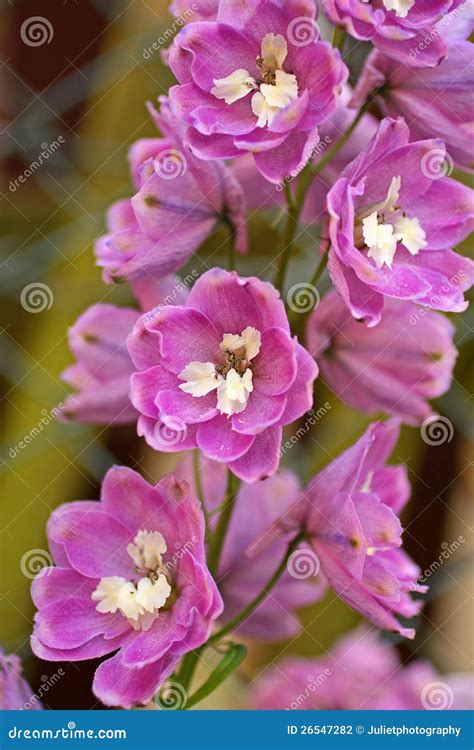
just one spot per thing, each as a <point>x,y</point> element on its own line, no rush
<point>188,665</point>
<point>199,489</point>
<point>250,608</point>
<point>230,245</point>
<point>338,38</point>
<point>320,268</point>
<point>218,539</point>
<point>234,657</point>
<point>343,140</point>
<point>294,209</point>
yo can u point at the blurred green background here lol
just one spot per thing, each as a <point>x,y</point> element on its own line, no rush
<point>86,89</point>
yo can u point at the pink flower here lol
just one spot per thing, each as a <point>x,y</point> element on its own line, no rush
<point>180,200</point>
<point>349,514</point>
<point>15,693</point>
<point>221,373</point>
<point>131,579</point>
<point>361,672</point>
<point>431,100</point>
<point>403,29</point>
<point>258,80</point>
<point>240,578</point>
<point>101,375</point>
<point>394,218</point>
<point>393,368</point>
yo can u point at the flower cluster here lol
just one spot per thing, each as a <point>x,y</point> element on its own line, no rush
<point>261,118</point>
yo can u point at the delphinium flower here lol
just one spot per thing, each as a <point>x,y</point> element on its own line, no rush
<point>221,373</point>
<point>179,201</point>
<point>403,29</point>
<point>258,80</point>
<point>394,368</point>
<point>349,515</point>
<point>101,374</point>
<point>130,579</point>
<point>15,693</point>
<point>241,579</point>
<point>432,100</point>
<point>361,672</point>
<point>394,218</point>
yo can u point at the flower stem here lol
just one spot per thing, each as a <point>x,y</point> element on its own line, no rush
<point>188,665</point>
<point>230,245</point>
<point>250,608</point>
<point>215,547</point>
<point>338,38</point>
<point>294,209</point>
<point>199,490</point>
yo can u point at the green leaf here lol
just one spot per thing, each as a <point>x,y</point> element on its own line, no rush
<point>233,658</point>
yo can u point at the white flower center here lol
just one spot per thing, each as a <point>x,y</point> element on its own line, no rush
<point>401,7</point>
<point>272,92</point>
<point>385,225</point>
<point>232,380</point>
<point>139,602</point>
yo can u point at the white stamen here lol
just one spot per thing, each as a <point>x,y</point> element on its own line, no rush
<point>250,338</point>
<point>107,593</point>
<point>263,111</point>
<point>201,378</point>
<point>274,50</point>
<point>380,240</point>
<point>152,595</point>
<point>384,225</point>
<point>282,92</point>
<point>234,86</point>
<point>139,603</point>
<point>410,233</point>
<point>401,7</point>
<point>269,97</point>
<point>234,391</point>
<point>147,549</point>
